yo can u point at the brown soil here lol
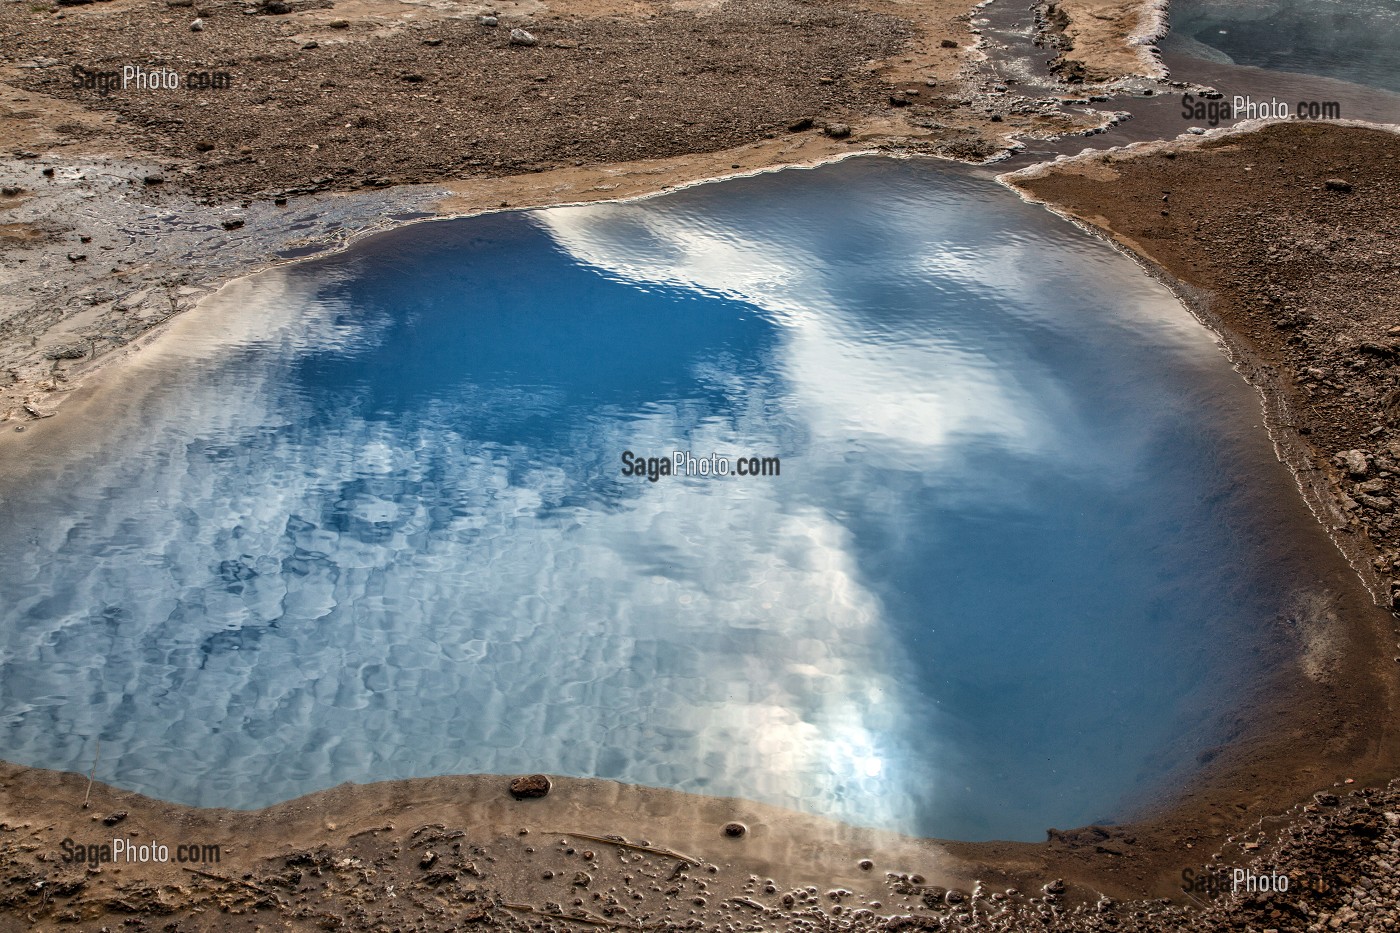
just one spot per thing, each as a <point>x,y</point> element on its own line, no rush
<point>1088,38</point>
<point>445,854</point>
<point>617,98</point>
<point>392,100</point>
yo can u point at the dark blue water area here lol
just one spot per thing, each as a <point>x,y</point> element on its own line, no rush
<point>364,518</point>
<point>1351,40</point>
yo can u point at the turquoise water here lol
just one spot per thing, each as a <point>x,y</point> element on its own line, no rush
<point>365,517</point>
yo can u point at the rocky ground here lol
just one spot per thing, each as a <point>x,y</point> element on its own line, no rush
<point>452,853</point>
<point>449,107</point>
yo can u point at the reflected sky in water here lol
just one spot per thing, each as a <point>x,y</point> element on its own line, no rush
<point>363,518</point>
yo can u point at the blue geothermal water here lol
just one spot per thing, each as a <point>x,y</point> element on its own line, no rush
<point>366,518</point>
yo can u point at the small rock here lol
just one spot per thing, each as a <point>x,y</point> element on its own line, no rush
<point>949,43</point>
<point>67,351</point>
<point>112,819</point>
<point>233,224</point>
<point>276,8</point>
<point>838,130</point>
<point>433,43</point>
<point>865,864</point>
<point>1354,462</point>
<point>735,830</point>
<point>313,44</point>
<point>533,785</point>
<point>203,147</point>
<point>339,24</point>
<point>197,25</point>
<point>428,860</point>
<point>77,257</point>
<point>48,173</point>
<point>11,191</point>
<point>153,180</point>
<point>521,37</point>
<point>582,879</point>
<point>1338,184</point>
<point>799,126</point>
<point>487,20</point>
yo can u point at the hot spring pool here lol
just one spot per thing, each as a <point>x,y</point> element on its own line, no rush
<point>365,518</point>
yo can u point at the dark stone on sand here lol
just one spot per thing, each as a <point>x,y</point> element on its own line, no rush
<point>1338,184</point>
<point>949,43</point>
<point>232,224</point>
<point>798,126</point>
<point>67,351</point>
<point>735,830</point>
<point>838,130</point>
<point>112,819</point>
<point>11,191</point>
<point>532,785</point>
<point>153,180</point>
<point>276,8</point>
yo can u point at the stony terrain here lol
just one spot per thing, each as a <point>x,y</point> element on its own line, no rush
<point>459,853</point>
<point>486,104</point>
